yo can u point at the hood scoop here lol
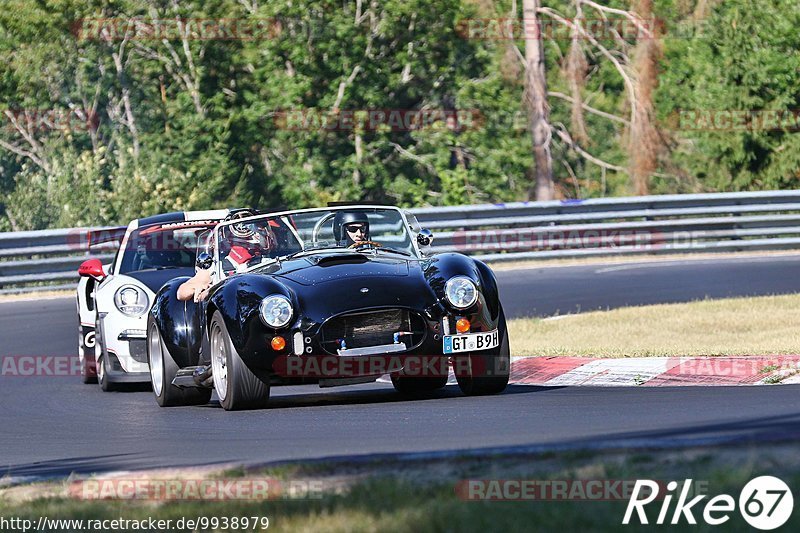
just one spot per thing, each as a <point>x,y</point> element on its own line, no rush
<point>327,268</point>
<point>340,259</point>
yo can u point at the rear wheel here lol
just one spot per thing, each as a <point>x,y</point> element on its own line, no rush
<point>88,374</point>
<point>163,370</point>
<point>483,374</point>
<point>237,387</point>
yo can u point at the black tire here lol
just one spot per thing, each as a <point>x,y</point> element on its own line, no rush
<point>241,388</point>
<point>82,349</point>
<point>167,394</point>
<point>411,385</point>
<point>493,369</point>
<point>102,376</point>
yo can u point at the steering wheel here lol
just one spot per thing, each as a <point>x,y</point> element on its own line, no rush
<point>359,244</point>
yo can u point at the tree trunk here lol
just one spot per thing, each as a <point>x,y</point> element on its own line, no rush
<point>576,68</point>
<point>644,144</point>
<point>536,101</point>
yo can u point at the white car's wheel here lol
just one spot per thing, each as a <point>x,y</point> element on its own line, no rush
<point>86,344</point>
<point>237,387</point>
<point>102,376</point>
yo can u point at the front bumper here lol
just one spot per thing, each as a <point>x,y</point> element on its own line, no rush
<point>125,338</point>
<point>308,356</point>
<point>116,374</point>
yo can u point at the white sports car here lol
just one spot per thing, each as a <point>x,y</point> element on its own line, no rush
<point>114,299</point>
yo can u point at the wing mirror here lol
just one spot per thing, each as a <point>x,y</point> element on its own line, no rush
<point>204,261</point>
<point>425,237</point>
<point>92,268</point>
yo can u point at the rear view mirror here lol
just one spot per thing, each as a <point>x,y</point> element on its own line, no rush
<point>204,261</point>
<point>425,237</point>
<point>92,268</point>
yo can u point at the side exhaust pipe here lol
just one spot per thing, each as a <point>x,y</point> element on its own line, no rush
<point>193,376</point>
<point>202,376</point>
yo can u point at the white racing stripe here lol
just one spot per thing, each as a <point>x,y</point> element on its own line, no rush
<point>214,214</point>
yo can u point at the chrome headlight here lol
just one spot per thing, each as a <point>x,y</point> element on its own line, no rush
<point>275,311</point>
<point>461,292</point>
<point>131,301</point>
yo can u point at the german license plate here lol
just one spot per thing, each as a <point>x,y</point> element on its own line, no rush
<point>471,342</point>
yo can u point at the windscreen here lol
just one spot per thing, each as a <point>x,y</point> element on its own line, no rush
<point>162,246</point>
<point>258,240</point>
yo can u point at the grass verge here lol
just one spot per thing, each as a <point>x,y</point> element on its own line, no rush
<point>741,326</point>
<point>421,496</point>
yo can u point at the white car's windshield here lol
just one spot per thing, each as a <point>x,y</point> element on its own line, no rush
<point>258,240</point>
<point>171,245</point>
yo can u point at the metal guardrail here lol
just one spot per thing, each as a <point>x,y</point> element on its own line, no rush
<point>36,260</point>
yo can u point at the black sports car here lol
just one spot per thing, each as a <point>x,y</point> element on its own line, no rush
<point>332,296</point>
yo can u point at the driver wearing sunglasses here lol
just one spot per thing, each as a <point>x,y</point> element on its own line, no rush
<point>350,227</point>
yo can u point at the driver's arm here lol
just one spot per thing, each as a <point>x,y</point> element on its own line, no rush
<point>194,288</point>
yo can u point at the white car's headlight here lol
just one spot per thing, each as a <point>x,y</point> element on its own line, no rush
<point>131,300</point>
<point>275,311</point>
<point>461,292</point>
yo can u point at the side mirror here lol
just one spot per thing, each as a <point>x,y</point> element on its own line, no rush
<point>204,261</point>
<point>92,268</point>
<point>425,237</point>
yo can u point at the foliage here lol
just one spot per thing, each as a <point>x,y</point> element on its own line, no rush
<point>118,128</point>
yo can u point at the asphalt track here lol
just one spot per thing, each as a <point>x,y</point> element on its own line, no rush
<point>52,426</point>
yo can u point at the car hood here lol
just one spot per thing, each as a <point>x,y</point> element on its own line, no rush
<point>328,284</point>
<point>154,279</point>
<point>327,268</point>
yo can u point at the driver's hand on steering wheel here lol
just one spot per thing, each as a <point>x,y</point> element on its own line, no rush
<point>359,244</point>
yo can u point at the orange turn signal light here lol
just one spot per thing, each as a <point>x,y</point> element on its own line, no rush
<point>278,343</point>
<point>462,325</point>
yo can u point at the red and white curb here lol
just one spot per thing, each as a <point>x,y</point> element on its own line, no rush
<point>650,371</point>
<point>655,371</point>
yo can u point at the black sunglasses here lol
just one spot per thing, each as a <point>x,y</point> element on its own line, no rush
<point>353,229</point>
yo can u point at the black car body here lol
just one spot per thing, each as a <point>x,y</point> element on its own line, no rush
<point>355,313</point>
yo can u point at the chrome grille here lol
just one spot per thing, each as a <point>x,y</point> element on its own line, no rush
<point>372,328</point>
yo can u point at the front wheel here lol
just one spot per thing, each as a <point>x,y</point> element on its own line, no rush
<point>102,376</point>
<point>163,370</point>
<point>483,374</point>
<point>236,385</point>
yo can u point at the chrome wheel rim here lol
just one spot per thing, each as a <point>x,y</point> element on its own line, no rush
<point>156,361</point>
<point>219,363</point>
<point>101,369</point>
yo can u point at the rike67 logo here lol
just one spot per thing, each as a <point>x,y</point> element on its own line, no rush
<point>765,503</point>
